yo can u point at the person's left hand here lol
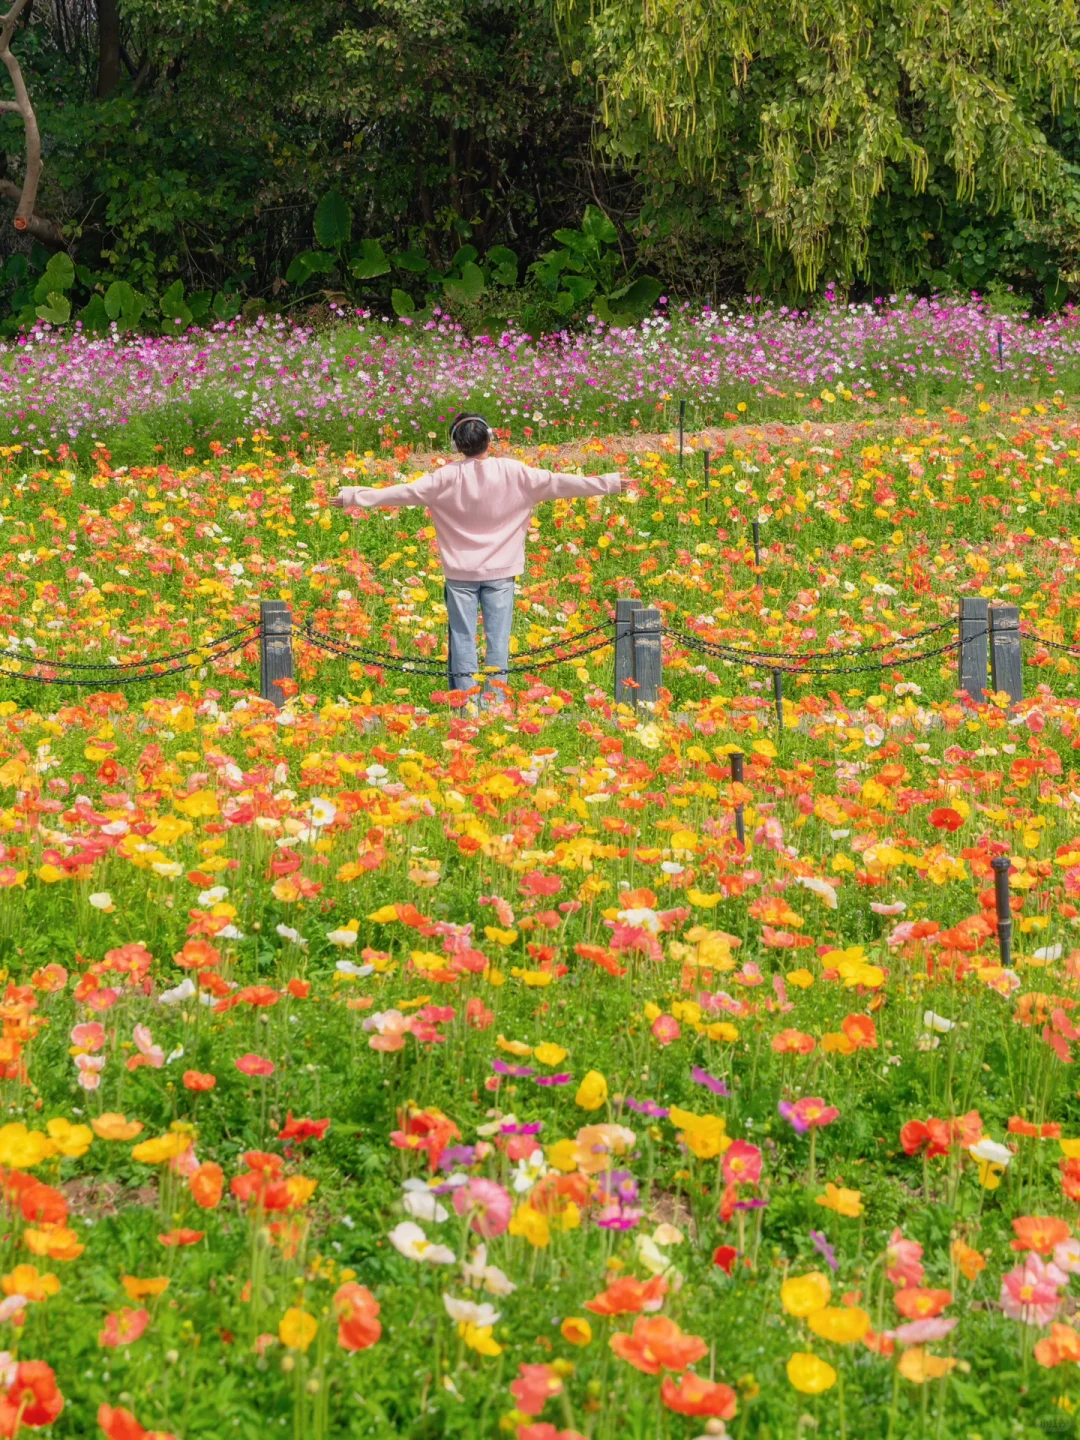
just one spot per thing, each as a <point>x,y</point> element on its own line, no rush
<point>337,502</point>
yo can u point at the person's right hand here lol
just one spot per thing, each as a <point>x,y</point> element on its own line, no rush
<point>337,502</point>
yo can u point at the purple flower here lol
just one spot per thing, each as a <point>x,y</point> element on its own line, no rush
<point>646,1107</point>
<point>455,1155</point>
<point>702,1077</point>
<point>824,1249</point>
<point>514,1128</point>
<point>521,1072</point>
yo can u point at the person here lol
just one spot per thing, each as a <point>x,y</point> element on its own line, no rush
<point>481,506</point>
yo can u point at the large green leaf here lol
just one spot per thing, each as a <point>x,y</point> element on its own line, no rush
<point>464,254</point>
<point>598,227</point>
<point>639,297</point>
<point>308,263</point>
<point>470,286</point>
<point>402,302</point>
<point>369,260</point>
<point>199,305</point>
<point>57,309</point>
<point>94,316</point>
<point>580,286</point>
<point>122,302</point>
<point>333,221</point>
<point>504,265</point>
<point>412,261</point>
<point>175,312</point>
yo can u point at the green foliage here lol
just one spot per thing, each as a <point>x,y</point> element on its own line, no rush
<point>798,119</point>
<point>588,268</point>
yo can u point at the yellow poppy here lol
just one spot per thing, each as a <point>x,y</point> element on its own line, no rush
<point>809,1375</point>
<point>801,1295</point>
<point>592,1092</point>
<point>842,1324</point>
<point>297,1329</point>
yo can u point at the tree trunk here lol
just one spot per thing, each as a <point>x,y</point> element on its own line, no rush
<point>108,16</point>
<point>26,219</point>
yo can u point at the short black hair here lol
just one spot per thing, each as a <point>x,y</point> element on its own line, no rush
<point>469,433</point>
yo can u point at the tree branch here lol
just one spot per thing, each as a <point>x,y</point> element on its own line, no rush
<point>25,219</point>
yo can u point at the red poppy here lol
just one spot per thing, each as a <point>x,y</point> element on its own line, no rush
<point>181,1237</point>
<point>300,1130</point>
<point>255,1065</point>
<point>945,818</point>
<point>694,1395</point>
<point>725,1256</point>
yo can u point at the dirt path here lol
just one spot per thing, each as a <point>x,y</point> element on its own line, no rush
<point>577,452</point>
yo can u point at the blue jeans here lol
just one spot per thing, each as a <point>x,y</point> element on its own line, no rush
<point>464,599</point>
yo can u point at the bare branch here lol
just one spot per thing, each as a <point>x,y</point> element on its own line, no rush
<point>38,228</point>
<point>25,218</point>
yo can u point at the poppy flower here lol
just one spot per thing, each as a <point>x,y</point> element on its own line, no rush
<point>206,1185</point>
<point>123,1327</point>
<point>119,1424</point>
<point>33,1398</point>
<point>724,1257</point>
<point>254,1065</point>
<point>801,1295</point>
<point>357,1310</point>
<point>298,1131</point>
<point>181,1237</point>
<point>916,1303</point>
<point>810,1375</point>
<point>694,1395</point>
<point>658,1343</point>
<point>945,818</point>
<point>297,1329</point>
<point>195,1080</point>
<point>534,1386</point>
<point>628,1296</point>
<point>1039,1233</point>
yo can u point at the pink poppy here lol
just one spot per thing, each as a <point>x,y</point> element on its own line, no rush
<point>1029,1292</point>
<point>255,1065</point>
<point>922,1332</point>
<point>488,1205</point>
<point>742,1164</point>
<point>90,1035</point>
<point>665,1029</point>
<point>904,1259</point>
<point>89,1068</point>
<point>123,1327</point>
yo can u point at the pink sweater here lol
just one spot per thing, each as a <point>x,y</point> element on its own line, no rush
<point>481,509</point>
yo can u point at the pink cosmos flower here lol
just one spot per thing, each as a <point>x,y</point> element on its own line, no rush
<point>1029,1292</point>
<point>488,1203</point>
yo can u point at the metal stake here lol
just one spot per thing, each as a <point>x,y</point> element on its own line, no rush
<point>756,528</point>
<point>705,456</point>
<point>740,818</point>
<point>1001,865</point>
<point>778,696</point>
<point>682,422</point>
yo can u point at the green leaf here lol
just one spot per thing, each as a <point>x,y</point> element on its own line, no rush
<point>598,227</point>
<point>464,255</point>
<point>199,305</point>
<point>94,316</point>
<point>402,302</point>
<point>413,261</point>
<point>175,312</point>
<point>227,307</point>
<point>57,310</point>
<point>15,267</point>
<point>504,265</point>
<point>573,239</point>
<point>370,261</point>
<point>639,297</point>
<point>308,263</point>
<point>333,221</point>
<point>470,286</point>
<point>119,300</point>
<point>580,286</point>
<point>60,272</point>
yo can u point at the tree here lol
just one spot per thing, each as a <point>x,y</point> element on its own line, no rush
<point>26,218</point>
<point>800,118</point>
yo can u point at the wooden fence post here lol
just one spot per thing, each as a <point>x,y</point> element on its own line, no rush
<point>275,650</point>
<point>624,648</point>
<point>1006,656</point>
<point>974,626</point>
<point>648,655</point>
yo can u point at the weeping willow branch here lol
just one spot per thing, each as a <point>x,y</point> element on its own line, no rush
<point>25,196</point>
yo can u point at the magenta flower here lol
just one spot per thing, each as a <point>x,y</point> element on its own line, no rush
<point>488,1204</point>
<point>809,1113</point>
<point>1029,1292</point>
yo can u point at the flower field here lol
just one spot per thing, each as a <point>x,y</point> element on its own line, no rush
<point>363,381</point>
<point>375,1069</point>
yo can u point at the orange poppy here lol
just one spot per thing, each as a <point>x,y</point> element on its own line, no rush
<point>657,1344</point>
<point>694,1395</point>
<point>916,1302</point>
<point>1039,1233</point>
<point>628,1296</point>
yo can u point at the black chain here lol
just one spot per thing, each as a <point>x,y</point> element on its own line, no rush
<point>104,681</point>
<point>824,654</point>
<point>246,630</point>
<point>426,666</point>
<point>705,648</point>
<point>1050,644</point>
